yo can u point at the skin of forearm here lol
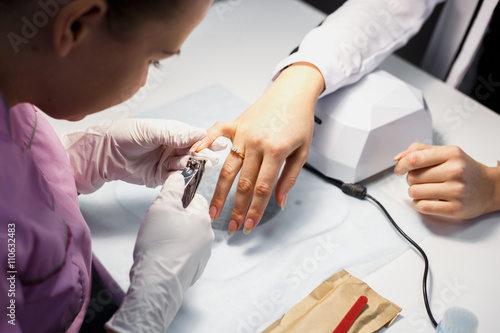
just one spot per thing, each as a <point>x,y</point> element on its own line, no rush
<point>493,174</point>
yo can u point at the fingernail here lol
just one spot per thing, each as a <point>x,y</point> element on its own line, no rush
<point>249,225</point>
<point>397,157</point>
<point>195,146</point>
<point>212,212</point>
<point>283,202</point>
<point>232,227</point>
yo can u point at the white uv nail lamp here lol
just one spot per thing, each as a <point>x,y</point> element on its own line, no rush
<point>361,127</point>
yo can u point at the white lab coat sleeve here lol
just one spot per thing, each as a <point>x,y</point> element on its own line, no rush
<point>356,38</point>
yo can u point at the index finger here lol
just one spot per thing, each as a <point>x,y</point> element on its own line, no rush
<point>419,159</point>
<point>220,128</point>
<point>413,147</point>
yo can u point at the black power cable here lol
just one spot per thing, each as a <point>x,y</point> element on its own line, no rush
<point>419,249</point>
<point>359,191</point>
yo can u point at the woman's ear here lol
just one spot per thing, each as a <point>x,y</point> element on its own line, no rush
<point>76,21</point>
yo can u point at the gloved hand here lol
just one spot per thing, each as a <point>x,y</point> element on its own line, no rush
<point>171,252</point>
<point>138,151</point>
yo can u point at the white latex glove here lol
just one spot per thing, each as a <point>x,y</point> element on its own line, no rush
<point>138,151</point>
<point>171,252</point>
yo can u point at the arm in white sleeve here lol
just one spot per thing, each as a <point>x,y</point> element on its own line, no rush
<point>356,38</point>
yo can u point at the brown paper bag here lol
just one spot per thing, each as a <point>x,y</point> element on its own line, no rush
<point>323,309</point>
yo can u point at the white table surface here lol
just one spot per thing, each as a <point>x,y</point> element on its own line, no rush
<point>464,255</point>
<point>238,45</point>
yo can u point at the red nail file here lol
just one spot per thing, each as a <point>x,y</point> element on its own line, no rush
<point>351,315</point>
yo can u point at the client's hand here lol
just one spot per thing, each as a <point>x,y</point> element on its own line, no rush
<point>446,181</point>
<point>276,130</point>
